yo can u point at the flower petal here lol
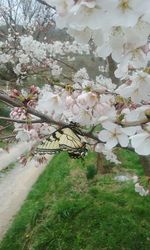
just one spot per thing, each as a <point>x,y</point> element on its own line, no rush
<point>104,135</point>
<point>111,143</point>
<point>123,140</point>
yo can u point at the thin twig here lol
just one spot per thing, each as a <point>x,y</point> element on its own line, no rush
<point>7,137</point>
<point>3,128</point>
<point>66,64</point>
<point>45,3</point>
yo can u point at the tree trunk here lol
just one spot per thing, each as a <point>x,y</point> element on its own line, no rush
<point>145,161</point>
<point>112,68</point>
<point>100,164</point>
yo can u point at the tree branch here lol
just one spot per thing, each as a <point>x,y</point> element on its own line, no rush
<point>66,64</point>
<point>112,67</point>
<point>44,118</point>
<point>7,137</point>
<point>3,128</point>
<point>20,121</point>
<point>44,3</point>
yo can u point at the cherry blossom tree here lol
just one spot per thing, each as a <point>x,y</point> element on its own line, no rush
<point>111,112</point>
<point>19,15</point>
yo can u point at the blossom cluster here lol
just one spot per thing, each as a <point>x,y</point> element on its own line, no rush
<point>119,114</point>
<point>27,55</point>
<point>118,27</point>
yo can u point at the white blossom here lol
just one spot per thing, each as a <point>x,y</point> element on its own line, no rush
<point>139,189</point>
<point>138,90</point>
<point>112,135</point>
<point>141,141</point>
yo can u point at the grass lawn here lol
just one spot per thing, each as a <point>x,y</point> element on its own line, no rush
<point>68,211</point>
<point>4,111</point>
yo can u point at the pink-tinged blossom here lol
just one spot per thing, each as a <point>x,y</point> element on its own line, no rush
<point>75,109</point>
<point>23,135</point>
<point>50,103</point>
<point>105,83</point>
<point>86,14</point>
<point>34,134</point>
<point>69,101</point>
<point>45,129</point>
<point>18,113</point>
<point>82,100</point>
<point>81,115</point>
<point>99,147</point>
<point>127,12</point>
<point>135,115</point>
<point>34,90</point>
<point>87,100</point>
<point>136,36</point>
<point>134,59</point>
<point>138,90</point>
<point>92,99</point>
<point>103,112</point>
<point>125,42</point>
<point>14,93</point>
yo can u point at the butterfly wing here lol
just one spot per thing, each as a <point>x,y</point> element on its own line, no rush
<point>64,139</point>
<point>50,145</point>
<point>69,140</point>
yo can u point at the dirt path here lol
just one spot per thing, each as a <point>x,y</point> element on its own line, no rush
<point>14,188</point>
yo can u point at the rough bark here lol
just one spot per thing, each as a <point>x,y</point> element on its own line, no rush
<point>112,68</point>
<point>145,161</point>
<point>101,169</point>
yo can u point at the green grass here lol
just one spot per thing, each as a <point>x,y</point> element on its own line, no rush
<point>2,144</point>
<point>68,211</point>
<point>5,111</point>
